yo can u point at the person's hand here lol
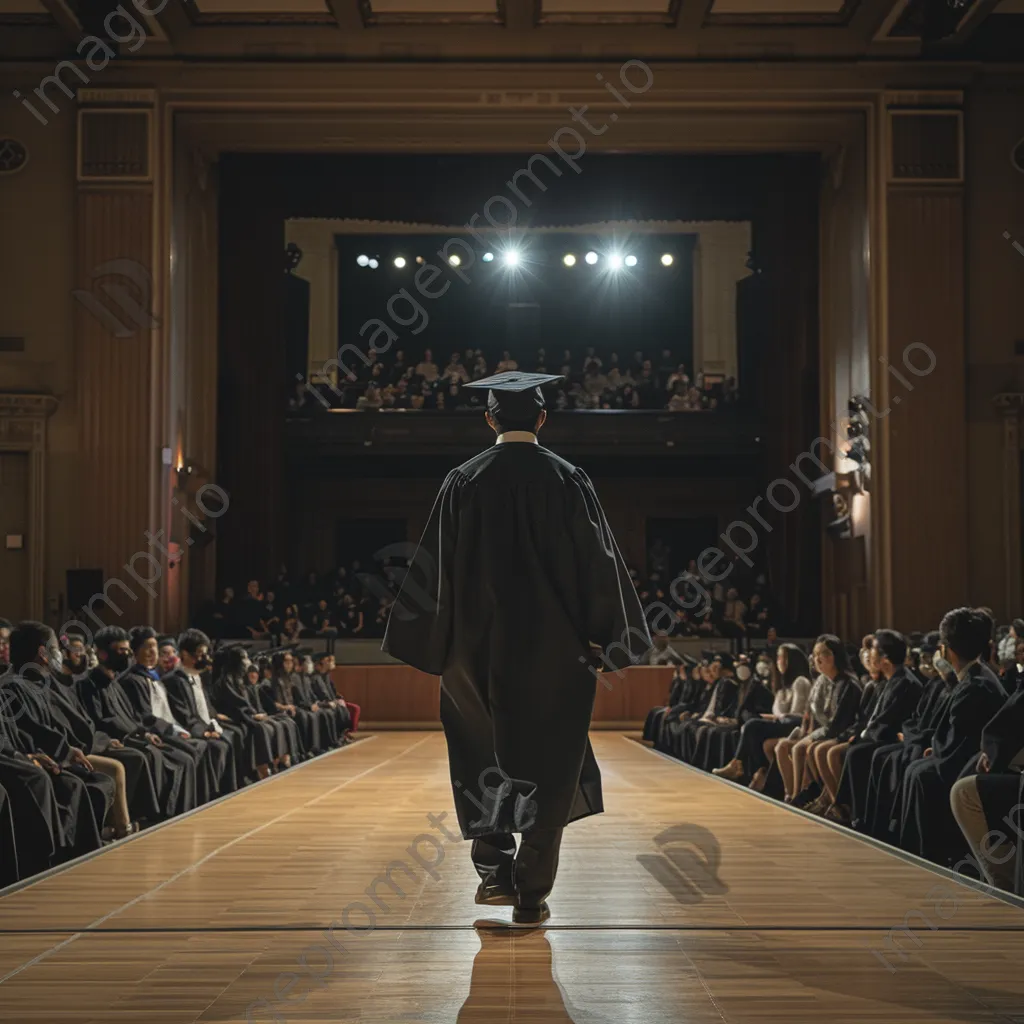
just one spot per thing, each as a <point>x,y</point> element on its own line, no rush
<point>984,764</point>
<point>223,718</point>
<point>768,717</point>
<point>116,745</point>
<point>261,717</point>
<point>47,762</point>
<point>341,703</point>
<point>77,756</point>
<point>154,739</point>
<point>184,735</point>
<point>211,734</point>
<point>899,736</point>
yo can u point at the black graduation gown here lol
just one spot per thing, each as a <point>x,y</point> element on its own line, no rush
<point>8,845</point>
<point>928,827</point>
<point>47,734</point>
<point>266,693</point>
<point>695,702</point>
<point>897,698</point>
<point>38,832</point>
<point>67,707</point>
<point>174,771</point>
<point>324,691</point>
<point>304,697</point>
<point>307,722</point>
<point>655,717</point>
<point>78,831</point>
<point>717,745</point>
<point>516,576</point>
<point>221,752</point>
<point>889,763</point>
<point>209,766</point>
<point>240,702</point>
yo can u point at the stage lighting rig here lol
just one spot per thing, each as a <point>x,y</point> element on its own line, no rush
<point>630,260</point>
<point>667,259</point>
<point>569,259</point>
<point>591,258</point>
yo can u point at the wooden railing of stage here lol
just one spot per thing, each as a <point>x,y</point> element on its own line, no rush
<point>399,697</point>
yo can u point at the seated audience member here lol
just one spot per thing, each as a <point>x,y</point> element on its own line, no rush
<point>897,698</point>
<point>214,761</point>
<point>426,368</point>
<point>758,736</point>
<point>5,644</point>
<point>326,694</point>
<point>190,705</point>
<point>720,710</point>
<point>266,739</point>
<point>987,805</point>
<point>734,612</point>
<point>305,697</point>
<point>835,693</point>
<point>140,796</point>
<point>105,698</point>
<point>685,692</point>
<point>167,655</point>
<point>883,806</point>
<point>717,745</point>
<point>928,827</point>
<point>73,807</point>
<point>282,670</point>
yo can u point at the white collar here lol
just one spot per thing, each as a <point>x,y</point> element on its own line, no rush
<point>517,435</point>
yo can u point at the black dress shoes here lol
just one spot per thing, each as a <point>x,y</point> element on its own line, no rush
<point>495,895</point>
<point>530,917</point>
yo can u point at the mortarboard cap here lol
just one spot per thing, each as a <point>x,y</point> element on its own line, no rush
<point>726,659</point>
<point>516,394</point>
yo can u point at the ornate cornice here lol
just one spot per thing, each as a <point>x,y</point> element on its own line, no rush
<point>26,406</point>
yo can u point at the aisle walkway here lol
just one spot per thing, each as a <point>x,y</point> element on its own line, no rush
<point>333,894</point>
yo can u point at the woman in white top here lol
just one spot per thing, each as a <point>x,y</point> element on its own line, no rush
<point>829,659</point>
<point>759,736</point>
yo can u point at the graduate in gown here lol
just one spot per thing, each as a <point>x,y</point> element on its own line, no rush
<point>8,844</point>
<point>110,708</point>
<point>516,583</point>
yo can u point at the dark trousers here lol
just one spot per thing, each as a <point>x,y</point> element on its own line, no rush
<point>753,736</point>
<point>529,872</point>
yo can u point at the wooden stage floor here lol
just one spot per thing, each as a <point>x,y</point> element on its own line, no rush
<point>687,901</point>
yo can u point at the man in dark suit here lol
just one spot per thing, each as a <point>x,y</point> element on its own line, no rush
<point>989,804</point>
<point>928,827</point>
<point>901,691</point>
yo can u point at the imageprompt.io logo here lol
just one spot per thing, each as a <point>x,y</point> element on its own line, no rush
<point>128,286</point>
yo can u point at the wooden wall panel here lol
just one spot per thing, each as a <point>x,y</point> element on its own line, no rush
<point>118,458</point>
<point>400,694</point>
<point>924,483</point>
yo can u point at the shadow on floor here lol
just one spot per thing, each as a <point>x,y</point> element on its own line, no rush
<point>687,863</point>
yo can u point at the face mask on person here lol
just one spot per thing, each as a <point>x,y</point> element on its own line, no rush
<point>54,656</point>
<point>202,662</point>
<point>742,673</point>
<point>764,670</point>
<point>942,665</point>
<point>118,661</point>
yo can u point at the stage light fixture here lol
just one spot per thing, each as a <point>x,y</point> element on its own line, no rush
<point>454,260</point>
<point>569,260</point>
<point>667,259</point>
<point>363,260</point>
<point>615,261</point>
<point>512,258</point>
<point>488,256</point>
<point>591,257</point>
<point>399,262</point>
<point>373,264</point>
<point>630,261</point>
<point>419,259</point>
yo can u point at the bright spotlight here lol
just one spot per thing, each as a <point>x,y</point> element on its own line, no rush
<point>363,260</point>
<point>666,260</point>
<point>512,258</point>
<point>373,264</point>
<point>591,257</point>
<point>615,261</point>
<point>569,260</point>
<point>399,262</point>
<point>488,256</point>
<point>454,260</point>
<point>630,261</point>
<point>419,259</point>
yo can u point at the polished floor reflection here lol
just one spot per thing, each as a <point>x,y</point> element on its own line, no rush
<point>332,894</point>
